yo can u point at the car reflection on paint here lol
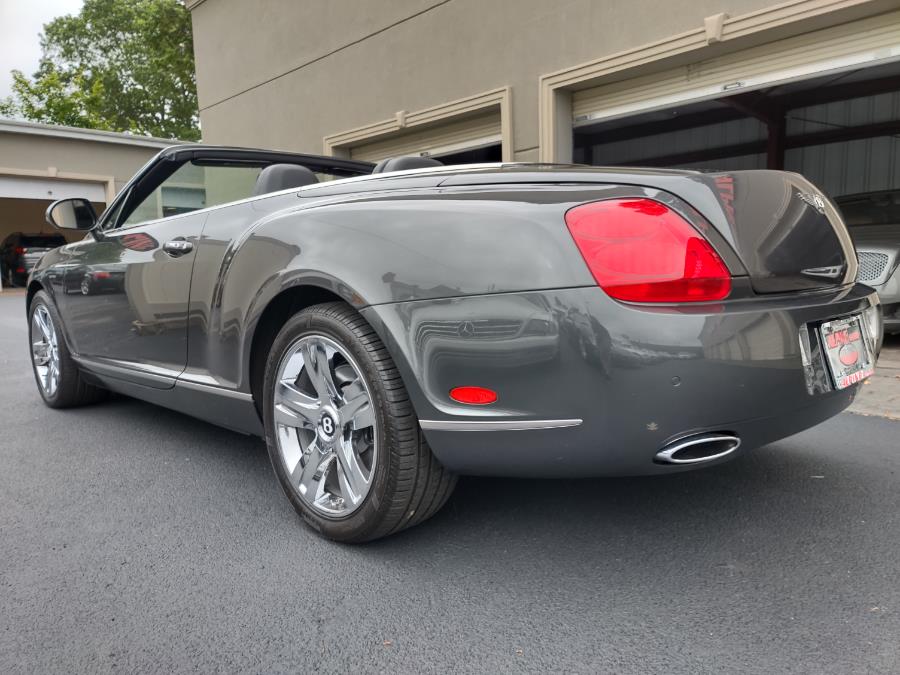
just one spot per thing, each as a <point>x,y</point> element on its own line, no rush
<point>93,281</point>
<point>448,336</point>
<point>588,336</point>
<point>110,280</point>
<point>630,353</point>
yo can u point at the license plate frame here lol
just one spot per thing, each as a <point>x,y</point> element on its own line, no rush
<point>847,350</point>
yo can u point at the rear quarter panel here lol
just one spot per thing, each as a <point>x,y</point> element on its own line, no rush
<point>373,249</point>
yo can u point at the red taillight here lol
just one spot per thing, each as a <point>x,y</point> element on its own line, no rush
<point>19,250</point>
<point>639,250</point>
<point>473,395</point>
<point>101,275</point>
<point>20,270</point>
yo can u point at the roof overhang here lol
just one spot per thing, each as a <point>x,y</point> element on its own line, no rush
<point>74,133</point>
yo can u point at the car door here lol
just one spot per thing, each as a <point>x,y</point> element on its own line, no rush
<point>126,297</point>
<point>127,285</point>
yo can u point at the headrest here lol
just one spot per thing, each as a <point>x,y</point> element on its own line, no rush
<point>404,163</point>
<point>277,177</point>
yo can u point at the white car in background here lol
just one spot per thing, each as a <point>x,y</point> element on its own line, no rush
<point>873,219</point>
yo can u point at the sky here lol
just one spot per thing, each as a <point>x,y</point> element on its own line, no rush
<point>20,23</point>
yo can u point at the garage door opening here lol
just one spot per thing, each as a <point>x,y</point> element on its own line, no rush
<point>840,130</point>
<point>488,153</point>
<point>22,225</point>
<point>475,129</point>
<point>463,139</point>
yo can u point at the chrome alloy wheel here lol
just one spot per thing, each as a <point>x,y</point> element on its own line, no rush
<point>45,350</point>
<point>325,425</point>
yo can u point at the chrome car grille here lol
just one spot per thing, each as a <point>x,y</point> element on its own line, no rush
<point>871,265</point>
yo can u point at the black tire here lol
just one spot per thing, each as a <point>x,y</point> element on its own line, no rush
<point>409,484</point>
<point>71,390</point>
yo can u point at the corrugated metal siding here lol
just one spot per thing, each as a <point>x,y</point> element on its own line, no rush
<point>451,137</point>
<point>838,168</point>
<point>754,66</point>
<point>852,113</point>
<point>851,166</point>
<point>676,142</point>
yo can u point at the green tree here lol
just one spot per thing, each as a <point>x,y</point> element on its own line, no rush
<point>119,65</point>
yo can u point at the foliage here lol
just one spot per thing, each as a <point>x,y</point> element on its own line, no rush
<point>119,65</point>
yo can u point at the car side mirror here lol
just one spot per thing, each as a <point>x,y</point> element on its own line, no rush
<point>71,214</point>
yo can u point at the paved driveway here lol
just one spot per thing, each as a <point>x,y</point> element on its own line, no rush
<point>137,539</point>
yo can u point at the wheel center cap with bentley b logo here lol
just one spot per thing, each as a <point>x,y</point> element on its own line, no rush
<point>327,426</point>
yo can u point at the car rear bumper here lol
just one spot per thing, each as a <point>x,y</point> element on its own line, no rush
<point>595,450</point>
<point>624,381</point>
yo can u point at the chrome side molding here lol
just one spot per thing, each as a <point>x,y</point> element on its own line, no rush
<point>212,389</point>
<point>496,425</point>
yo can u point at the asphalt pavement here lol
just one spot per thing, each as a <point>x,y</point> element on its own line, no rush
<point>136,539</point>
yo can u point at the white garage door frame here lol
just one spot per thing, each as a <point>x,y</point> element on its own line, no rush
<point>850,46</point>
<point>31,178</point>
<point>658,75</point>
<point>465,124</point>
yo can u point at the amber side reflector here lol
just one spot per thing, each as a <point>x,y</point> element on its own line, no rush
<point>473,395</point>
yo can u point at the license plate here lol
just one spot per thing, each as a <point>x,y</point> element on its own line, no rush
<point>847,351</point>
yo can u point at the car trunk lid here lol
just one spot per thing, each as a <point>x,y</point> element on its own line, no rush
<point>789,236</point>
<point>786,233</point>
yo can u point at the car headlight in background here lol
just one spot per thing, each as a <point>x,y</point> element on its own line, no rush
<point>874,325</point>
<point>539,327</point>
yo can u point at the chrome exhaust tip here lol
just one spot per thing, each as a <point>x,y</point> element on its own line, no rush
<point>698,449</point>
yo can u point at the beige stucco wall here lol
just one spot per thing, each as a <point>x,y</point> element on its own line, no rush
<point>30,152</point>
<point>38,151</point>
<point>284,74</point>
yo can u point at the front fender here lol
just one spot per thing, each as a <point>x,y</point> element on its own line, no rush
<point>48,275</point>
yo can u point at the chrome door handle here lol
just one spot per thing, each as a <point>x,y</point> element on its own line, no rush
<point>178,247</point>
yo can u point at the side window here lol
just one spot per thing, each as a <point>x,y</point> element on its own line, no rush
<point>194,187</point>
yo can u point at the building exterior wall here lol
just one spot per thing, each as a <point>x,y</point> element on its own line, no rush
<point>61,154</point>
<point>285,74</point>
<point>30,152</point>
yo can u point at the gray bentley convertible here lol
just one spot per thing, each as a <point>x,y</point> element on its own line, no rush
<point>386,328</point>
